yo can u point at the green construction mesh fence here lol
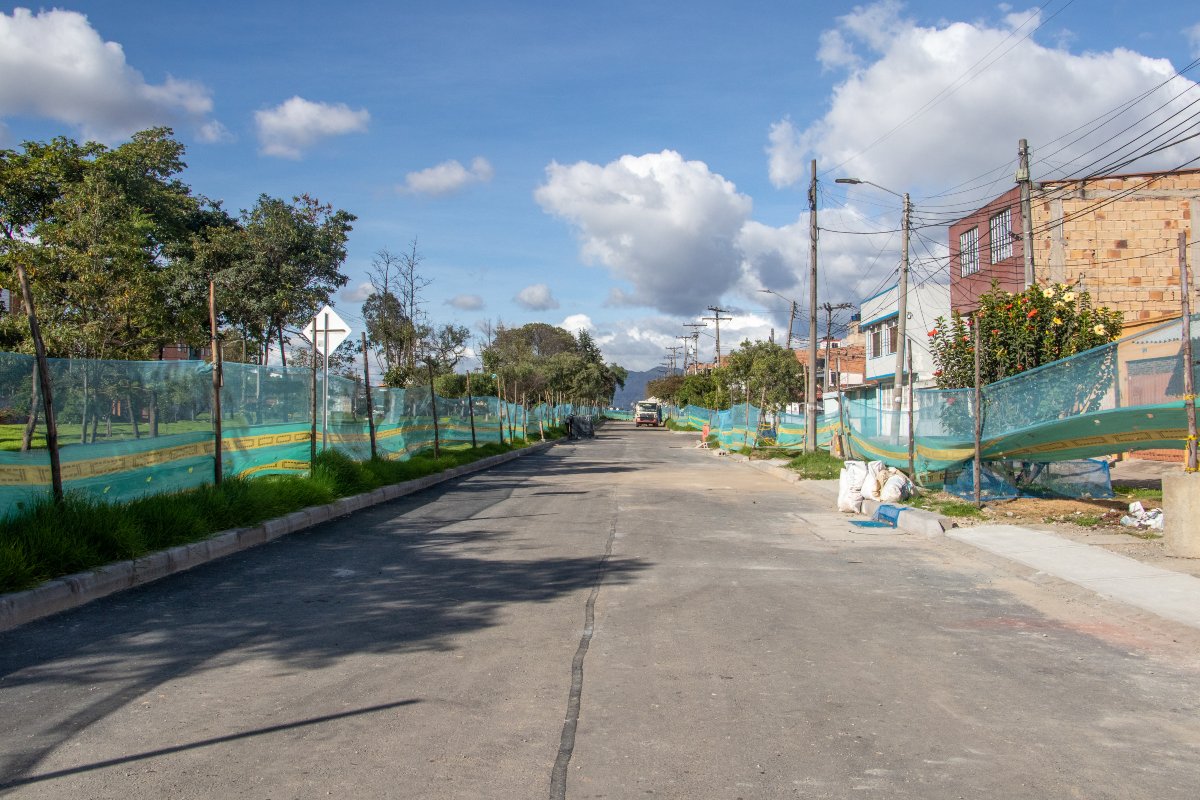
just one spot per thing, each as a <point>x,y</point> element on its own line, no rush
<point>127,429</point>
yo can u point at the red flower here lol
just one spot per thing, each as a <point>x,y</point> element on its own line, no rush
<point>937,373</point>
<point>933,332</point>
<point>995,331</point>
<point>1007,307</point>
<point>1032,314</point>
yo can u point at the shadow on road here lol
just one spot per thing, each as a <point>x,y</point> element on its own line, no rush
<point>402,577</point>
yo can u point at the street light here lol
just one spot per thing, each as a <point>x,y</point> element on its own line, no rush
<point>791,319</point>
<point>902,291</point>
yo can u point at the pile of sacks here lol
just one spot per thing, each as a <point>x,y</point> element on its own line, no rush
<point>873,481</point>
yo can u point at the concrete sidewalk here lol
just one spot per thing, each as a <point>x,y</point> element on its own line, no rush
<point>1168,594</point>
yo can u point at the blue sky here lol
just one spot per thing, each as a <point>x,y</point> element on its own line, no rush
<point>617,166</point>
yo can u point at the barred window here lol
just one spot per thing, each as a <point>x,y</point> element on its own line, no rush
<point>1000,229</point>
<point>877,342</point>
<point>892,329</point>
<point>968,252</point>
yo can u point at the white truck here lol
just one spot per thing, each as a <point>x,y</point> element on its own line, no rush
<point>648,412</point>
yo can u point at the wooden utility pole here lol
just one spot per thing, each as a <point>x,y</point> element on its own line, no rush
<point>685,340</point>
<point>902,312</point>
<point>218,444</point>
<point>717,318</point>
<point>367,384</point>
<point>978,422</point>
<point>673,350</point>
<point>810,391</point>
<point>829,309</point>
<point>471,409</point>
<point>1189,358</point>
<point>43,370</point>
<point>1026,185</point>
<point>911,442</point>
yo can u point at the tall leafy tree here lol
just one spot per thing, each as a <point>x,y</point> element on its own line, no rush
<point>297,250</point>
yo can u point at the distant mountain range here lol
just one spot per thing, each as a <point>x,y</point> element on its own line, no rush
<point>635,388</point>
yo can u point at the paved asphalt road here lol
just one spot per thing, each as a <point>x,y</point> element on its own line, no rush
<point>718,633</point>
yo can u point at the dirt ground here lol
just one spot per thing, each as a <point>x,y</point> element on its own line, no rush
<point>1103,528</point>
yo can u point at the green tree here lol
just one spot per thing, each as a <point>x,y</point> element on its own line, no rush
<point>1018,332</point>
<point>766,373</point>
<point>296,252</point>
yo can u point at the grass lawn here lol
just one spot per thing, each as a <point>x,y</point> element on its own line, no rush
<point>10,435</point>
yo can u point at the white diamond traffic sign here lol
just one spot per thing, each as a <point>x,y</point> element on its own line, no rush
<point>328,330</point>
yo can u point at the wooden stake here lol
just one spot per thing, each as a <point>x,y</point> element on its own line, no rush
<point>218,442</point>
<point>312,445</point>
<point>437,445</point>
<point>367,384</point>
<point>978,422</point>
<point>471,409</point>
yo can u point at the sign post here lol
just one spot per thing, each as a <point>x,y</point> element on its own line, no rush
<point>326,332</point>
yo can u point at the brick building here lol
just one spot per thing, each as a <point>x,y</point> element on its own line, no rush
<point>1116,237</point>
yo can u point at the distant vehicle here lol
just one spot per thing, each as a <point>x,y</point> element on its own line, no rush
<point>648,412</point>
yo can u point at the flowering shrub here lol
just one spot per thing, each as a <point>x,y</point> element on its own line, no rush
<point>1019,332</point>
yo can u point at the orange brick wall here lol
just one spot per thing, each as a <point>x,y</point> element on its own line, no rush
<point>1124,252</point>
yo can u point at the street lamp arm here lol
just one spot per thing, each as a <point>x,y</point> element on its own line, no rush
<point>856,181</point>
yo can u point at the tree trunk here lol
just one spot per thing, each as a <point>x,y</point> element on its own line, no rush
<point>154,413</point>
<point>34,412</point>
<point>133,416</point>
<point>282,349</point>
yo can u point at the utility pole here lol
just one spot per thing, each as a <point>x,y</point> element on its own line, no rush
<point>829,309</point>
<point>696,326</point>
<point>674,349</point>
<point>810,391</point>
<point>717,318</point>
<point>1189,358</point>
<point>791,323</point>
<point>685,340</point>
<point>902,309</point>
<point>1026,209</point>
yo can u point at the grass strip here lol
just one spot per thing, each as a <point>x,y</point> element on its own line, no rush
<point>817,465</point>
<point>45,541</point>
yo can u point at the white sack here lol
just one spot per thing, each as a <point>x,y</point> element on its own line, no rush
<point>897,488</point>
<point>850,487</point>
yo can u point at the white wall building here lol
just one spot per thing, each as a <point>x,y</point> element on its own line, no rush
<point>880,318</point>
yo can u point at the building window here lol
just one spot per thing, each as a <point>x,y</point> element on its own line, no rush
<point>883,340</point>
<point>1000,230</point>
<point>968,252</point>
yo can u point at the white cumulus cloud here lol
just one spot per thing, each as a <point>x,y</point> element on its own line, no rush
<point>577,322</point>
<point>55,65</point>
<point>916,107</point>
<point>466,302</point>
<point>296,124</point>
<point>536,298</point>
<point>448,177</point>
<point>665,225</point>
